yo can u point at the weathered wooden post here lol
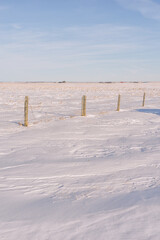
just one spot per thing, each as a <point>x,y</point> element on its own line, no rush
<point>83,113</point>
<point>118,104</point>
<point>144,96</point>
<point>26,112</point>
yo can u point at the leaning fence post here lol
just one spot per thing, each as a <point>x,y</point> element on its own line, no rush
<point>83,113</point>
<point>144,96</point>
<point>26,112</point>
<point>118,104</point>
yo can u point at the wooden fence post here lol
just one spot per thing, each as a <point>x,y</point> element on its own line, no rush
<point>118,104</point>
<point>144,96</point>
<point>26,112</point>
<point>83,113</point>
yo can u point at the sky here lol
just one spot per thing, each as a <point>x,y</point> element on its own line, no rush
<point>79,40</point>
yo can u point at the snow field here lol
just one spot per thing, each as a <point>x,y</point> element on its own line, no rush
<point>72,177</point>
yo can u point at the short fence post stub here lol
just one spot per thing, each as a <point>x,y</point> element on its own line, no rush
<point>144,96</point>
<point>26,112</point>
<point>118,104</point>
<point>83,113</point>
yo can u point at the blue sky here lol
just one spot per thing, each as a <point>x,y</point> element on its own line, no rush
<point>79,40</point>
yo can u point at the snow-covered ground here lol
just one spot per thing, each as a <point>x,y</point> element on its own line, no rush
<point>71,177</point>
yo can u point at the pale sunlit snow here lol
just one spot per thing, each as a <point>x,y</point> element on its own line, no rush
<point>71,177</point>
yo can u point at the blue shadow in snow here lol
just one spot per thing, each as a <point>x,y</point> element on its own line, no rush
<point>153,111</point>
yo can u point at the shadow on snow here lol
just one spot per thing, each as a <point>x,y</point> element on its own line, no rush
<point>153,111</point>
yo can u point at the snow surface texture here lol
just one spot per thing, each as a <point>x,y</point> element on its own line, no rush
<point>71,177</point>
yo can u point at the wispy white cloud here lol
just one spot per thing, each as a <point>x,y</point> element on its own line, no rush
<point>61,50</point>
<point>16,26</point>
<point>98,31</point>
<point>82,39</point>
<point>148,8</point>
<point>3,7</point>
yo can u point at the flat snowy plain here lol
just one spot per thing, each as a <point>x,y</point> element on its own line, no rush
<point>71,177</point>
